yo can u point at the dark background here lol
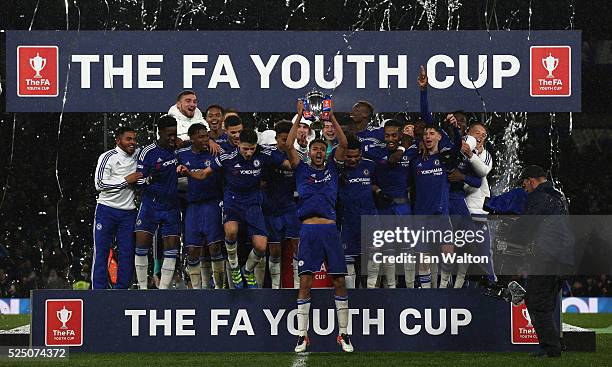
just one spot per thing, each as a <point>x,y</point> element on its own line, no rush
<point>47,160</point>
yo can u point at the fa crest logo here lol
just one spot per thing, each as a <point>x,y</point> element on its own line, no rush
<point>437,162</point>
<point>522,330</point>
<point>366,172</point>
<point>551,71</point>
<point>37,71</point>
<point>256,163</point>
<point>64,322</point>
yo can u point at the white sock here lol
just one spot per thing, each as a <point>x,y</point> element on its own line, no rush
<point>373,269</point>
<point>195,274</point>
<point>303,314</point>
<point>275,272</point>
<point>409,274</point>
<point>228,275</point>
<point>218,271</point>
<point>425,278</point>
<point>434,275</point>
<point>296,277</point>
<point>389,272</point>
<point>232,253</point>
<point>206,271</point>
<point>142,265</point>
<point>167,272</point>
<point>444,278</point>
<point>350,277</point>
<point>342,311</point>
<point>461,272</point>
<point>253,259</point>
<point>260,272</point>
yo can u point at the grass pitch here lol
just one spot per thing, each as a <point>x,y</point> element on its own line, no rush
<point>599,322</point>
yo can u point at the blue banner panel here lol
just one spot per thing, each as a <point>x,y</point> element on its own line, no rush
<point>265,71</point>
<point>14,306</point>
<point>587,305</point>
<point>265,320</point>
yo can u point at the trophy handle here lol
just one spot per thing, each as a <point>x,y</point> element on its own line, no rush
<point>44,63</point>
<point>544,64</point>
<point>32,63</point>
<point>555,63</point>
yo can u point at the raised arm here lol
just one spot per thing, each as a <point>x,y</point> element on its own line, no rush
<point>342,141</point>
<point>481,167</point>
<point>292,153</point>
<point>425,113</point>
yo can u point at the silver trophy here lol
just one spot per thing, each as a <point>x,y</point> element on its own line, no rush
<point>64,316</point>
<point>38,63</point>
<point>317,107</point>
<point>527,317</point>
<point>550,63</point>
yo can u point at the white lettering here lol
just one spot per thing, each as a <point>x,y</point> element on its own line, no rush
<point>144,71</point>
<point>223,63</point>
<point>401,71</point>
<point>431,71</point>
<point>464,74</point>
<point>215,322</point>
<point>189,70</point>
<point>85,61</point>
<point>242,323</point>
<point>304,71</point>
<point>135,314</point>
<point>360,68</point>
<point>378,321</point>
<point>154,322</point>
<point>181,322</point>
<point>274,320</point>
<point>499,72</point>
<point>124,71</point>
<point>264,70</point>
<point>320,72</point>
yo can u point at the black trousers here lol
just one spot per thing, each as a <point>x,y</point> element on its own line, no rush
<point>541,300</point>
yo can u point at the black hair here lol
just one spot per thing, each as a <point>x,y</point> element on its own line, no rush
<point>214,106</point>
<point>367,104</point>
<point>478,123</point>
<point>232,120</point>
<point>282,127</point>
<point>124,129</point>
<point>394,123</point>
<point>353,142</point>
<point>462,113</point>
<point>193,129</point>
<point>248,136</point>
<point>316,141</point>
<point>184,93</point>
<point>166,121</point>
<point>231,110</point>
<point>435,127</point>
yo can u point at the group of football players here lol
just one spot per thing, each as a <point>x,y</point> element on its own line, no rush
<point>284,188</point>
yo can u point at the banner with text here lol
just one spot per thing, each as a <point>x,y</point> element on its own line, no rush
<point>265,320</point>
<point>265,71</point>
